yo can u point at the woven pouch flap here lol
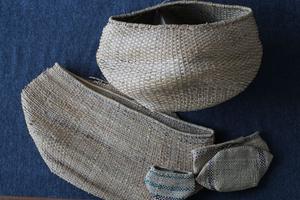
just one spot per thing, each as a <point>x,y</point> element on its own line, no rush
<point>234,169</point>
<point>202,155</point>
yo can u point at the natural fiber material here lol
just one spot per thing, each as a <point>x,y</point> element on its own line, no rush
<point>164,184</point>
<point>231,166</point>
<point>182,55</point>
<point>103,142</point>
<point>202,155</point>
<point>234,165</point>
<point>235,169</point>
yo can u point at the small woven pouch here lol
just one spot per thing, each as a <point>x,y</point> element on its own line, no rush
<point>231,166</point>
<point>182,55</point>
<point>234,165</point>
<point>166,184</point>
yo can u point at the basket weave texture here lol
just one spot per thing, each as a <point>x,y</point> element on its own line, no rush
<point>181,67</point>
<point>101,141</point>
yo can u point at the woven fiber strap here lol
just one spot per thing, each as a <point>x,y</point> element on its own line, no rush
<point>231,166</point>
<point>103,142</point>
<point>182,55</point>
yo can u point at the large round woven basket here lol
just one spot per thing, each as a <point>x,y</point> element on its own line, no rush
<point>181,56</point>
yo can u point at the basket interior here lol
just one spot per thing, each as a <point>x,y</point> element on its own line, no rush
<point>191,13</point>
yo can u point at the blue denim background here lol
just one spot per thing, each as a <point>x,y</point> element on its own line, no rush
<point>36,33</point>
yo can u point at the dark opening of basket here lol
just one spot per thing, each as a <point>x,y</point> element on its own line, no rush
<point>184,13</point>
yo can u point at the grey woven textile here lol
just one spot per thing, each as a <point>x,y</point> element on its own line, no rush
<point>100,141</point>
<point>182,55</point>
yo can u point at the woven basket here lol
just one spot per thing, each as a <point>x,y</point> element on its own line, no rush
<point>181,56</point>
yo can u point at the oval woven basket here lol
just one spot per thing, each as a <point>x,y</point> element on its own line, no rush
<point>181,56</point>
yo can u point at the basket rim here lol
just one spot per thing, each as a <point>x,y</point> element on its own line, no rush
<point>115,19</point>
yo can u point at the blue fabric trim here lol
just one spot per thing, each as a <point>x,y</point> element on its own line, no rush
<point>166,187</point>
<point>175,176</point>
